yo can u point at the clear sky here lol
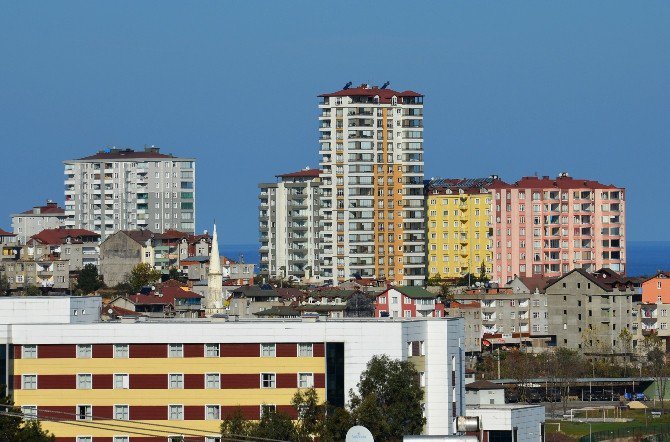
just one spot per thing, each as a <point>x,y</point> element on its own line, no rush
<point>512,88</point>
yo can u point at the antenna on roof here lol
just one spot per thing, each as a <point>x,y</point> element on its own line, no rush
<point>348,85</point>
<point>385,85</point>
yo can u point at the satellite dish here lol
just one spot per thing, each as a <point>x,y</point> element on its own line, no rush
<point>359,433</point>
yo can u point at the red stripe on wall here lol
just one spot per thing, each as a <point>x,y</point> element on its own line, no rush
<point>287,350</point>
<point>194,413</point>
<point>17,352</point>
<point>56,381</point>
<point>288,409</point>
<point>319,350</point>
<point>103,351</point>
<point>56,412</point>
<point>45,351</point>
<point>240,381</point>
<point>287,380</point>
<point>196,381</point>
<point>319,380</point>
<point>103,412</point>
<point>194,350</point>
<point>17,382</point>
<point>139,381</point>
<point>252,412</point>
<point>158,413</point>
<point>240,350</point>
<point>148,350</point>
<point>103,381</point>
<point>69,439</point>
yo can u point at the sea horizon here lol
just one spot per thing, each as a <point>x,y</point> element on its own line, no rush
<point>645,258</point>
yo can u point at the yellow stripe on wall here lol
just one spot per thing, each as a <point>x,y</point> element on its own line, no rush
<point>169,365</point>
<point>278,396</point>
<point>104,428</point>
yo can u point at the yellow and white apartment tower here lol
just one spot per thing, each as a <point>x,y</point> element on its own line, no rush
<point>372,217</point>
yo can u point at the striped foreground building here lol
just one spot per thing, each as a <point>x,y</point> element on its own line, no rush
<point>121,382</point>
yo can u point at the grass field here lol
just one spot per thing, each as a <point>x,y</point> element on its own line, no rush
<point>576,430</point>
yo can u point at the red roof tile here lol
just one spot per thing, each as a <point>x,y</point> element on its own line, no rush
<point>129,154</point>
<point>49,209</point>
<point>167,296</point>
<point>305,173</point>
<point>385,95</point>
<point>58,236</point>
<point>560,182</point>
<point>6,233</point>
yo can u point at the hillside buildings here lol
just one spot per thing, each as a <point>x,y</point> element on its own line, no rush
<point>372,222</point>
<point>549,226</point>
<point>123,189</point>
<point>33,221</point>
<point>459,227</point>
<point>289,225</point>
<point>187,374</point>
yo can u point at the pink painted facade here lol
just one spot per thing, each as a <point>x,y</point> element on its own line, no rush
<point>549,226</point>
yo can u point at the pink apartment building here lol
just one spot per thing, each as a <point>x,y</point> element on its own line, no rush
<point>548,226</point>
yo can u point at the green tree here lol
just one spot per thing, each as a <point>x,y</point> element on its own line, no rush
<point>658,368</point>
<point>142,275</point>
<point>388,401</point>
<point>274,425</point>
<point>32,290</point>
<point>13,429</point>
<point>235,424</point>
<point>310,414</point>
<point>89,279</point>
<point>175,274</point>
<point>337,422</point>
<point>4,284</point>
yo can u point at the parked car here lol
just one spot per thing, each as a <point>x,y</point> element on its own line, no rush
<point>511,396</point>
<point>533,396</point>
<point>552,395</point>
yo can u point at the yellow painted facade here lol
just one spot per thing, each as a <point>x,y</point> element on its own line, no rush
<point>458,233</point>
<point>169,365</point>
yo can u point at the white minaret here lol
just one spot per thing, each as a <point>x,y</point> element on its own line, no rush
<point>214,298</point>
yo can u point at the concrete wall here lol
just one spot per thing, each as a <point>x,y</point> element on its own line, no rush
<point>118,255</point>
<point>50,310</point>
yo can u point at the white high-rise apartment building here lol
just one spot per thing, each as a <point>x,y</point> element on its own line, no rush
<point>372,217</point>
<point>289,225</point>
<point>124,189</point>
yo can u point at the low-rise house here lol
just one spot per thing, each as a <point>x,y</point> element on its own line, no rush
<point>657,288</point>
<point>247,300</point>
<point>238,273</point>
<point>408,302</point>
<point>48,258</point>
<point>121,251</point>
<point>484,392</point>
<point>33,221</point>
<point>168,300</point>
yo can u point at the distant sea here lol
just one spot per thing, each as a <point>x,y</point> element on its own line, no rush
<point>644,257</point>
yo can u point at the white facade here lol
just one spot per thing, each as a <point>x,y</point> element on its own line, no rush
<point>39,218</point>
<point>123,189</point>
<point>494,396</point>
<point>372,217</point>
<point>289,225</point>
<point>50,309</point>
<point>526,420</point>
<point>362,339</point>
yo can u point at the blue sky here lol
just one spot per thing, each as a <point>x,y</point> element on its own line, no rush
<point>512,88</point>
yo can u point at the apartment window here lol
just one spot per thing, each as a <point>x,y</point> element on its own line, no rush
<point>176,380</point>
<point>84,350</point>
<point>84,381</point>
<point>268,409</point>
<point>121,439</point>
<point>29,351</point>
<point>268,380</point>
<point>29,411</point>
<point>176,350</point>
<point>305,380</point>
<point>212,380</point>
<point>268,350</point>
<point>84,439</point>
<point>176,412</point>
<point>306,350</point>
<point>121,351</point>
<point>212,350</point>
<point>84,412</point>
<point>121,412</point>
<point>29,381</point>
<point>212,412</point>
<point>121,380</point>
